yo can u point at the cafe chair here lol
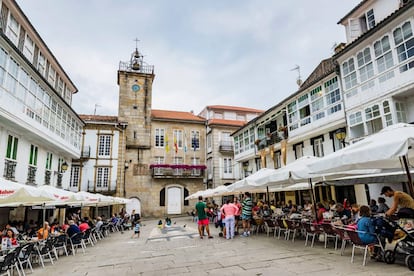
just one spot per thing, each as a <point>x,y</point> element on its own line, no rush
<point>311,231</point>
<point>44,251</point>
<point>357,243</point>
<point>270,226</point>
<point>76,241</point>
<point>8,264</point>
<point>60,243</point>
<point>330,233</point>
<point>282,227</point>
<point>24,257</point>
<point>87,237</point>
<point>343,236</point>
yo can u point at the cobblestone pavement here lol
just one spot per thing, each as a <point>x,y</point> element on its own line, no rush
<point>179,251</point>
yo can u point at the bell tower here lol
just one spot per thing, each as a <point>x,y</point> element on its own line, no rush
<point>135,80</point>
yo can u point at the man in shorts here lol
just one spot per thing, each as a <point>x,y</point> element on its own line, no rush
<point>246,214</point>
<point>201,210</point>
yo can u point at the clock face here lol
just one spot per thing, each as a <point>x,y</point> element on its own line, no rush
<point>136,88</point>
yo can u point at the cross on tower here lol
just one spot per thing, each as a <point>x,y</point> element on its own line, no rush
<point>136,42</point>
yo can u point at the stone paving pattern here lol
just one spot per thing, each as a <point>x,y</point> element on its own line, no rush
<point>179,251</point>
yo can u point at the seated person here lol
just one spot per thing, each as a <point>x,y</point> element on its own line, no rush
<point>320,208</point>
<point>43,233</point>
<point>84,225</point>
<point>382,206</point>
<point>99,223</point>
<point>267,212</point>
<point>12,241</point>
<point>366,226</point>
<point>73,228</point>
<point>342,213</point>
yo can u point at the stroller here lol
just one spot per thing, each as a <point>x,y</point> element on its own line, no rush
<point>398,242</point>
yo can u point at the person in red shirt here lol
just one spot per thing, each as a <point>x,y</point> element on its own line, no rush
<point>84,225</point>
<point>238,214</point>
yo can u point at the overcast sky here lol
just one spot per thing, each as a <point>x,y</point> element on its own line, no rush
<point>233,52</point>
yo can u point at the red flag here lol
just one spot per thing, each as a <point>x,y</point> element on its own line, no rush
<point>175,145</point>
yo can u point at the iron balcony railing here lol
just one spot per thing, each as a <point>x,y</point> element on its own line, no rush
<point>9,169</point>
<point>226,146</point>
<point>143,68</point>
<point>105,187</point>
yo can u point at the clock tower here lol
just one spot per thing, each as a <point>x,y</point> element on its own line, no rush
<point>135,79</point>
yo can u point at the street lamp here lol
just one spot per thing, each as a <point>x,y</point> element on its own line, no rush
<point>126,166</point>
<point>64,167</point>
<point>340,134</point>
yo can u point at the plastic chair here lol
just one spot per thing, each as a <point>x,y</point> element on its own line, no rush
<point>8,264</point>
<point>44,249</point>
<point>282,227</point>
<point>293,226</point>
<point>343,236</point>
<point>311,231</point>
<point>330,233</point>
<point>270,226</point>
<point>76,241</point>
<point>60,242</point>
<point>24,257</point>
<point>357,243</point>
<point>87,237</point>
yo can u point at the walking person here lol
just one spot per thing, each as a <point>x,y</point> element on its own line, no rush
<point>246,213</point>
<point>201,210</point>
<point>137,228</point>
<point>229,210</point>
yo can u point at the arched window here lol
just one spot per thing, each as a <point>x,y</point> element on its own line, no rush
<point>162,197</point>
<point>185,195</point>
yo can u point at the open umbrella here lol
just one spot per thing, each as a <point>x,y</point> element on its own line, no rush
<point>391,148</point>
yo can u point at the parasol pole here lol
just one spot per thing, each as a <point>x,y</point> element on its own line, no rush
<point>407,171</point>
<point>313,198</point>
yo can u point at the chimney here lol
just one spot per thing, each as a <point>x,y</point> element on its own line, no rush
<point>339,47</point>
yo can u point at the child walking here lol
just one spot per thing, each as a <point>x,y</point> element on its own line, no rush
<point>137,228</point>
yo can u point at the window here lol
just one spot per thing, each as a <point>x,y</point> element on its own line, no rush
<point>333,94</point>
<point>49,158</point>
<point>236,144</point>
<point>178,161</point>
<point>195,161</point>
<point>387,113</point>
<point>366,69</point>
<point>195,139</point>
<point>102,177</point>
<point>74,176</point>
<point>52,76</point>
<point>383,54</point>
<point>350,79</point>
<point>3,62</point>
<point>104,145</point>
<point>372,112</point>
<point>159,160</point>
<point>246,139</point>
<point>318,147</point>
<point>209,141</point>
<point>373,119</point>
<point>28,48</point>
<point>33,155</point>
<point>159,137</point>
<point>298,148</point>
<point>41,64</point>
<point>178,138</point>
<point>401,114</point>
<point>12,143</point>
<point>370,19</point>
<point>251,133</point>
<point>227,167</point>
<point>11,79</point>
<point>12,31</point>
<point>404,42</point>
<point>277,159</point>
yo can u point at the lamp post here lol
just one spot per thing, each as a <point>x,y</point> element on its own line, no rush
<point>340,134</point>
<point>64,167</point>
<point>126,166</point>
